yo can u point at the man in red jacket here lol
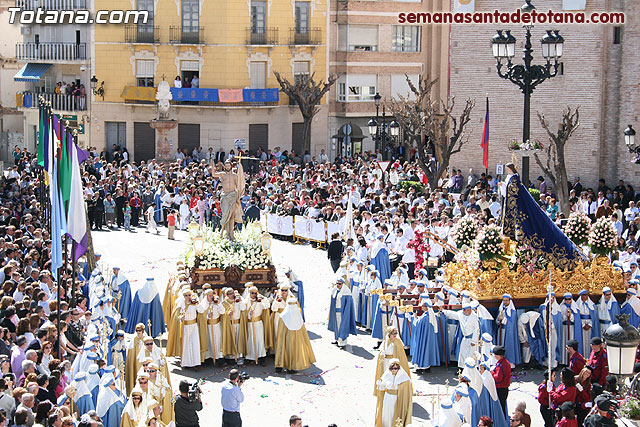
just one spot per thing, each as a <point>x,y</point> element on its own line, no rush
<point>598,362</point>
<point>501,375</point>
<point>576,360</point>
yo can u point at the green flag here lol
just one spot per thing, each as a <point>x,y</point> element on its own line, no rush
<point>65,165</point>
<point>41,137</point>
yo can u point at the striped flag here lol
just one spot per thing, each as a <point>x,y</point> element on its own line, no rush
<point>485,139</point>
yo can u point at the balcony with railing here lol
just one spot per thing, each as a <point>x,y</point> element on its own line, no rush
<point>305,36</point>
<point>51,51</point>
<point>141,34</point>
<point>51,4</point>
<point>186,35</point>
<point>58,101</point>
<point>205,97</point>
<point>262,36</point>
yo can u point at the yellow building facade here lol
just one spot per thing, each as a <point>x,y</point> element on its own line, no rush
<point>230,50</point>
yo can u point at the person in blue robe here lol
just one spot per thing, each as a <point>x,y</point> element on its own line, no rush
<point>380,259</point>
<point>381,321</point>
<point>608,309</point>
<point>83,395</point>
<point>122,292</point>
<point>117,346</point>
<point>475,388</point>
<point>342,321</point>
<point>146,308</point>
<point>371,300</point>
<point>356,278</point>
<point>486,320</point>
<point>590,323</point>
<point>489,403</point>
<point>157,198</point>
<point>426,339</point>
<point>554,323</point>
<point>532,338</point>
<point>110,404</point>
<point>93,383</point>
<point>632,307</point>
<point>571,326</point>
<point>297,287</point>
<point>507,333</point>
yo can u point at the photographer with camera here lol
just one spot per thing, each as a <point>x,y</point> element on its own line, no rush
<point>231,399</point>
<point>187,405</point>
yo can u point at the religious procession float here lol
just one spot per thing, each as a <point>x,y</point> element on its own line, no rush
<point>527,252</point>
<point>222,262</point>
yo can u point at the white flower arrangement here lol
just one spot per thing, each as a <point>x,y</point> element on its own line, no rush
<point>469,257</point>
<point>603,236</point>
<point>245,252</point>
<point>577,228</point>
<point>489,242</point>
<point>465,231</point>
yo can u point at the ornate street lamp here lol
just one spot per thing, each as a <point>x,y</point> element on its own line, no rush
<point>94,84</point>
<point>394,128</point>
<point>527,76</point>
<point>630,138</point>
<point>622,343</point>
<point>373,126</point>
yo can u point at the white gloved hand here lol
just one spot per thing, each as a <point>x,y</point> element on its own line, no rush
<point>588,405</point>
<point>549,385</point>
<point>579,387</point>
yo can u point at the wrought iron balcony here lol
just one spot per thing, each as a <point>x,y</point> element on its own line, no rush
<point>51,4</point>
<point>58,101</point>
<point>308,36</point>
<point>51,51</point>
<point>141,34</point>
<point>186,35</point>
<point>262,36</point>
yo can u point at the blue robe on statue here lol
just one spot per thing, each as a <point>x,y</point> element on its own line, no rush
<point>426,341</point>
<point>534,226</point>
<point>347,324</point>
<point>510,340</point>
<point>146,308</point>
<point>378,328</point>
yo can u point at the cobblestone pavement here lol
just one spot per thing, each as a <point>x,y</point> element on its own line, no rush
<point>338,388</point>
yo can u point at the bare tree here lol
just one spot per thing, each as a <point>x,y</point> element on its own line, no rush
<point>307,93</point>
<point>431,127</point>
<point>555,168</point>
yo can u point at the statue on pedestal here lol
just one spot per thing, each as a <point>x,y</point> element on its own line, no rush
<point>232,191</point>
<point>163,96</point>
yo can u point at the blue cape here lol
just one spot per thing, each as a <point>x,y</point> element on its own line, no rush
<point>510,337</point>
<point>380,316</point>
<point>300,296</point>
<point>382,264</point>
<point>347,324</point>
<point>142,313</point>
<point>491,408</point>
<point>534,227</point>
<point>425,344</point>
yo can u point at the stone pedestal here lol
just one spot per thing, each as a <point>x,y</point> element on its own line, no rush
<point>163,147</point>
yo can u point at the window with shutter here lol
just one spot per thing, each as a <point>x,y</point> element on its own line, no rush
<point>258,74</point>
<point>190,65</point>
<point>145,72</point>
<point>363,38</point>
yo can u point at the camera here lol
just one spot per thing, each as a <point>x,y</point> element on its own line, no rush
<point>243,376</point>
<point>194,390</point>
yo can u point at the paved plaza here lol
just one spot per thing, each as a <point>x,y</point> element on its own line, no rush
<point>338,388</point>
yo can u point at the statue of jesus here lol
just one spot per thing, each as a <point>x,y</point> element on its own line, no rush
<point>232,190</point>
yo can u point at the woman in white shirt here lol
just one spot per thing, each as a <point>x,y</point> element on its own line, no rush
<point>177,82</point>
<point>43,366</point>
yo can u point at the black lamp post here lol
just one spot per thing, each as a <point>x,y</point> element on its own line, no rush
<point>527,77</point>
<point>100,90</point>
<point>622,343</point>
<point>384,135</point>
<point>630,141</point>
